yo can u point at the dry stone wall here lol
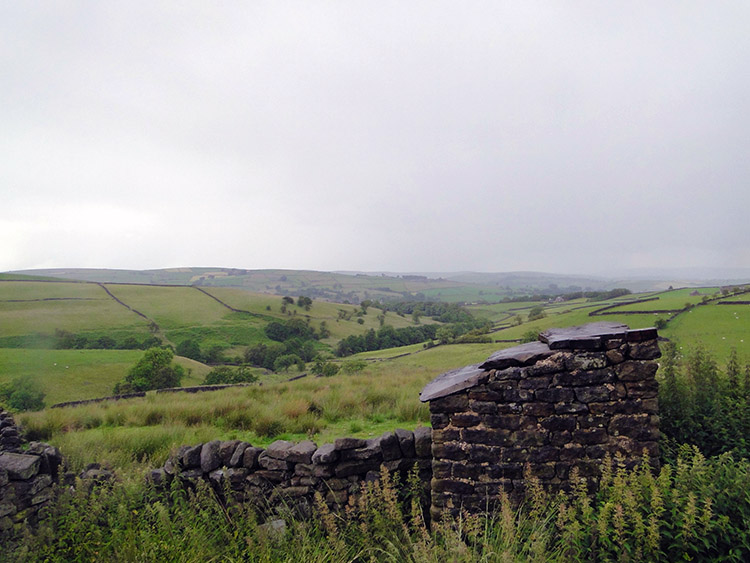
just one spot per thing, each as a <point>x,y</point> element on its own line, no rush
<point>544,409</point>
<point>290,474</point>
<point>27,475</point>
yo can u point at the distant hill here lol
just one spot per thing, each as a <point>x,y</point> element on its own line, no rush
<point>354,287</point>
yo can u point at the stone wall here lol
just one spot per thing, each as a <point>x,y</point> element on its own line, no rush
<point>290,474</point>
<point>27,475</point>
<point>546,407</point>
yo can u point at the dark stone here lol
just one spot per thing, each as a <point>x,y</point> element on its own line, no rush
<point>571,408</point>
<point>505,471</point>
<point>479,453</point>
<point>250,457</point>
<point>468,471</point>
<point>210,458</point>
<point>341,444</point>
<point>159,477</point>
<point>445,435</point>
<point>589,436</point>
<point>571,452</point>
<point>347,468</point>
<point>450,404</point>
<point>525,438</point>
<point>606,408</point>
<point>636,371</point>
<point>538,409</point>
<point>554,395</point>
<point>450,450</point>
<point>441,469</point>
<point>451,486</point>
<point>506,374</point>
<point>481,407</point>
<point>191,458</point>
<point>371,451</point>
<point>406,442</point>
<point>463,420</point>
<point>579,378</point>
<point>237,456</point>
<point>592,421</point>
<point>484,393</point>
<point>523,355</point>
<point>544,454</point>
<point>615,356</point>
<point>642,389</point>
<point>452,382</point>
<point>645,350</point>
<point>558,423</point>
<point>586,362</point>
<point>594,394</point>
<point>422,441</point>
<point>226,451</point>
<point>439,420</point>
<point>560,437</point>
<point>390,447</point>
<point>641,334</point>
<point>504,421</point>
<point>539,382</point>
<point>489,436</point>
<point>270,475</point>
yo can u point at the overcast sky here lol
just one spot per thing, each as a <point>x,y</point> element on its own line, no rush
<point>571,137</point>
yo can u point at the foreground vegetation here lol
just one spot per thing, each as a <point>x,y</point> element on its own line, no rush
<point>696,509</point>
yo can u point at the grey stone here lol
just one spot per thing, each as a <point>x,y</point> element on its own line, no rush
<point>591,336</point>
<point>237,456</point>
<point>191,457</point>
<point>349,443</point>
<point>3,477</point>
<point>210,458</point>
<point>302,452</point>
<point>226,451</point>
<point>523,355</point>
<point>272,463</point>
<point>452,382</point>
<point>325,454</point>
<point>370,451</point>
<point>422,441</point>
<point>279,449</point>
<point>250,457</point>
<point>406,442</point>
<point>389,445</point>
<point>158,477</point>
<point>19,466</point>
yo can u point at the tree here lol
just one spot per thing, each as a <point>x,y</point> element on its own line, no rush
<point>305,302</point>
<point>225,374</point>
<point>190,349</point>
<point>283,363</point>
<point>154,370</point>
<point>536,313</point>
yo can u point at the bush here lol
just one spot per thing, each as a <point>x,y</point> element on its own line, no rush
<point>22,395</point>
<point>226,374</point>
<point>154,370</point>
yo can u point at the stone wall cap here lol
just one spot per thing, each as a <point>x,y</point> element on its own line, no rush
<point>452,382</point>
<point>518,356</point>
<point>587,337</point>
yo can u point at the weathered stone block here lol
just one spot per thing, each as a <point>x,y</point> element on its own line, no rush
<point>526,438</point>
<point>588,436</point>
<point>450,450</point>
<point>505,471</point>
<point>580,378</point>
<point>325,454</point>
<point>489,436</point>
<point>505,374</point>
<point>636,371</point>
<point>302,452</point>
<point>3,477</point>
<point>467,470</point>
<point>585,362</point>
<point>450,404</point>
<point>554,395</point>
<point>250,457</point>
<point>347,468</point>
<point>445,435</point>
<point>481,407</point>
<point>505,421</point>
<point>439,420</point>
<point>648,350</point>
<point>210,458</point>
<point>464,420</point>
<point>389,446</point>
<point>191,457</point>
<point>370,451</point>
<point>237,456</point>
<point>280,449</point>
<point>539,382</point>
<point>538,409</point>
<point>19,466</point>
<point>479,453</point>
<point>593,394</point>
<point>593,421</point>
<point>422,441</point>
<point>272,463</point>
<point>406,442</point>
<point>648,389</point>
<point>559,422</point>
<point>544,454</point>
<point>571,451</point>
<point>451,486</point>
<point>571,408</point>
<point>226,451</point>
<point>441,469</point>
<point>517,396</point>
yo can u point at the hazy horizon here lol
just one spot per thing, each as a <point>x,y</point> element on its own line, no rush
<point>429,136</point>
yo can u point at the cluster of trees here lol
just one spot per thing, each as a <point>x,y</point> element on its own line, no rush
<point>443,312</point>
<point>385,337</point>
<point>703,405</point>
<point>189,348</point>
<point>227,374</point>
<point>66,340</point>
<point>155,370</point>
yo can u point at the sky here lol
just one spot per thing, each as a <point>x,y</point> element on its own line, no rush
<point>567,137</point>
